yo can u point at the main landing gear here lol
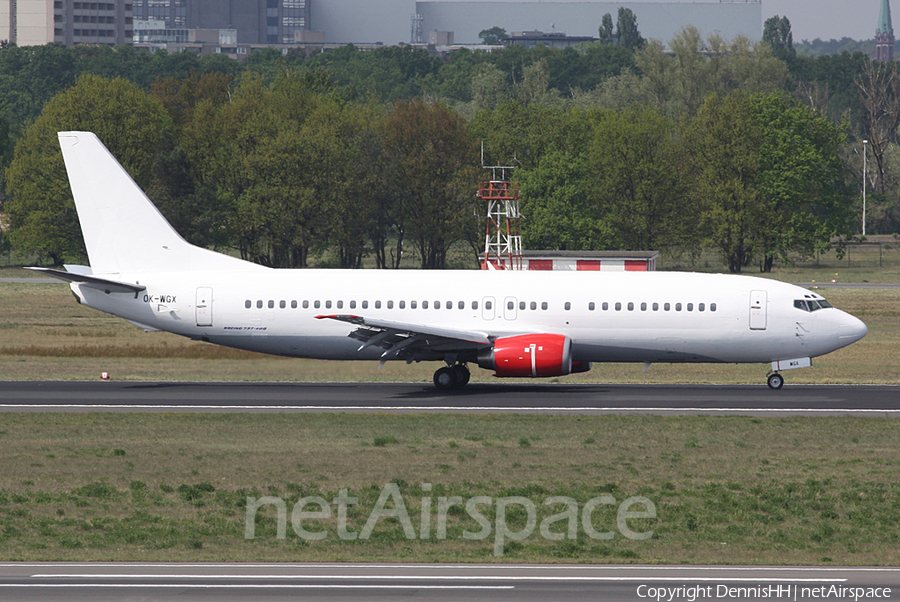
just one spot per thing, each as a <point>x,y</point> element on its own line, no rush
<point>776,381</point>
<point>452,377</point>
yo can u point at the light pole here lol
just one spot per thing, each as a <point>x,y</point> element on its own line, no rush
<point>865,177</point>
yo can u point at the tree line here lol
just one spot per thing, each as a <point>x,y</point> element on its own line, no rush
<point>727,144</point>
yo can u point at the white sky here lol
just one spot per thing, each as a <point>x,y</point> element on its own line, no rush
<point>827,19</point>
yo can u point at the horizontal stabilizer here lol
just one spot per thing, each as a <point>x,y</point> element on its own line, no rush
<point>103,284</point>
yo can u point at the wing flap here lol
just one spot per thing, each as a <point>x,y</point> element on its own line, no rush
<point>398,338</point>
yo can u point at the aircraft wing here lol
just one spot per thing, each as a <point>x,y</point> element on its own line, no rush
<point>409,341</point>
<point>104,284</point>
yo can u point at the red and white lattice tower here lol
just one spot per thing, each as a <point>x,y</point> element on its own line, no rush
<point>502,241</point>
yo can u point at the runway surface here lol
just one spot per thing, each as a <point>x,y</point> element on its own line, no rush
<point>864,400</point>
<point>137,581</point>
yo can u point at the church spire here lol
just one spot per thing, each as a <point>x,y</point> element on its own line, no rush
<point>884,35</point>
<point>884,19</point>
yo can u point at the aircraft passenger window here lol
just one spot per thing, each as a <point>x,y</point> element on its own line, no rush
<point>533,305</point>
<point>591,306</point>
<point>712,307</point>
<point>543,305</point>
<point>365,305</point>
<point>521,305</point>
<point>618,306</point>
<point>340,305</point>
<point>701,307</point>
<point>424,304</point>
<point>656,307</point>
<point>630,306</point>
<point>605,306</point>
<point>690,307</point>
<point>328,304</point>
<point>666,307</point>
<point>437,304</point>
<point>271,304</point>
<point>412,304</point>
<point>378,305</point>
<point>568,306</point>
<point>510,305</point>
<point>305,304</point>
<point>403,305</point>
<point>353,305</point>
<point>390,305</point>
<point>678,307</point>
<point>317,304</point>
<point>643,307</point>
<point>461,305</point>
<point>488,305</point>
<point>248,304</point>
<point>293,305</point>
<point>282,304</point>
<point>474,304</point>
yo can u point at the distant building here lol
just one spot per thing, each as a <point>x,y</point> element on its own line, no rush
<point>39,22</point>
<point>884,35</point>
<point>255,21</point>
<point>409,21</point>
<point>555,39</point>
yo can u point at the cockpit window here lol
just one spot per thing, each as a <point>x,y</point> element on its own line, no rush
<point>811,304</point>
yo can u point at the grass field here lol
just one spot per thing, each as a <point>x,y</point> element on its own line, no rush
<point>174,487</point>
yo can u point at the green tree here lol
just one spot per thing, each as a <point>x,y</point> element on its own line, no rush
<point>493,36</point>
<point>777,33</point>
<point>130,123</point>
<point>558,213</point>
<point>627,30</point>
<point>723,141</point>
<point>769,176</point>
<point>636,169</point>
<point>436,177</point>
<point>801,181</point>
<point>606,30</point>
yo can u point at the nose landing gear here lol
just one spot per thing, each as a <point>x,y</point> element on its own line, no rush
<point>775,381</point>
<point>452,377</point>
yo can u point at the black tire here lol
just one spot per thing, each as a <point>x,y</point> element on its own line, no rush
<point>461,375</point>
<point>776,381</point>
<point>444,379</point>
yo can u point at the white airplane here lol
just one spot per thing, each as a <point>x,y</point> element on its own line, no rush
<point>516,323</point>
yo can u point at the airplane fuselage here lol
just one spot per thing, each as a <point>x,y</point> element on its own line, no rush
<point>610,317</point>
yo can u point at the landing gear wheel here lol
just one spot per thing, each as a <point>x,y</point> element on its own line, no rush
<point>776,381</point>
<point>461,375</point>
<point>444,378</point>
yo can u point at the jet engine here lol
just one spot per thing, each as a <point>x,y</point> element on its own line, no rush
<point>531,355</point>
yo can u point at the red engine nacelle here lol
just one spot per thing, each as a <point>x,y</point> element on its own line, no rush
<point>531,355</point>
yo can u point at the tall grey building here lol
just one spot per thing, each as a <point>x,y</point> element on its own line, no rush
<point>38,22</point>
<point>256,21</point>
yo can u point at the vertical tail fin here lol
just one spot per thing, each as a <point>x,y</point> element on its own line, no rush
<point>123,231</point>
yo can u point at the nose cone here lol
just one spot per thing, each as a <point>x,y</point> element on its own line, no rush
<point>851,329</point>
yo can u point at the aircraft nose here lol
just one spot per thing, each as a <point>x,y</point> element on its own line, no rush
<point>851,329</point>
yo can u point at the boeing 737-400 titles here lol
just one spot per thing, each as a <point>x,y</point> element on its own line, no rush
<point>516,323</point>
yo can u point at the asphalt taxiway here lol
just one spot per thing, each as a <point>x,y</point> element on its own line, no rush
<point>138,396</point>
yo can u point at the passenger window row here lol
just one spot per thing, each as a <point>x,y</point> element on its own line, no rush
<point>260,304</point>
<point>630,306</point>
